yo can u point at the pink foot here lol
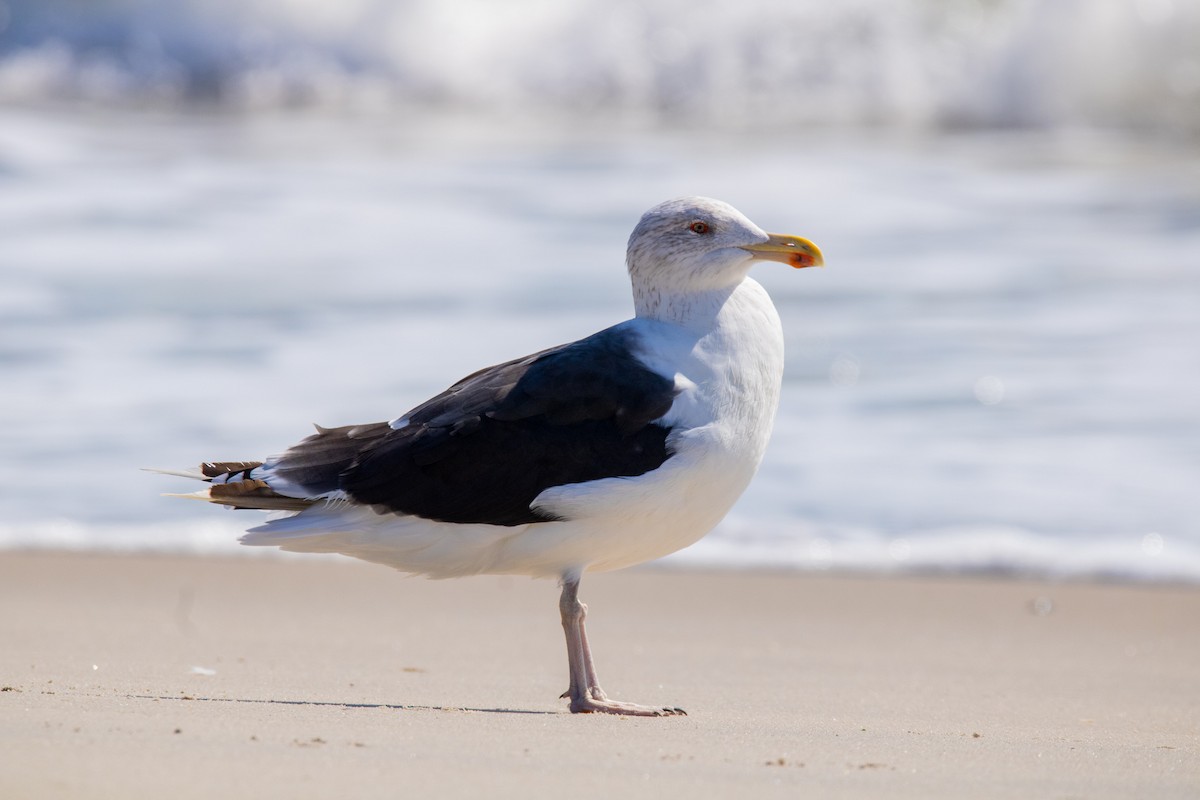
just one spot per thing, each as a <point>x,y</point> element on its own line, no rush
<point>596,702</point>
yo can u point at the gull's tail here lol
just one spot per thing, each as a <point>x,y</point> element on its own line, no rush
<point>307,474</point>
<point>236,484</point>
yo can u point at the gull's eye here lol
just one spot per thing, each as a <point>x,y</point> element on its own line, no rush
<point>698,227</point>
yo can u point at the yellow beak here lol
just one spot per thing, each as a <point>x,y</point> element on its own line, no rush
<point>787,249</point>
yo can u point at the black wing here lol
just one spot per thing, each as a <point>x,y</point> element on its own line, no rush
<point>481,451</point>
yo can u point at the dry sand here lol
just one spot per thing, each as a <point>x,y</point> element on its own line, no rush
<point>163,677</point>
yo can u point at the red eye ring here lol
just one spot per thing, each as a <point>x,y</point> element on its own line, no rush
<point>698,227</point>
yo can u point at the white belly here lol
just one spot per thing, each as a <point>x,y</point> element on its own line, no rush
<point>618,522</point>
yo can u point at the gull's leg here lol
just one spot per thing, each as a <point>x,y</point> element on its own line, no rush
<point>585,693</point>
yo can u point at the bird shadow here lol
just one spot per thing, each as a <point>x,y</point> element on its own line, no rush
<point>334,704</point>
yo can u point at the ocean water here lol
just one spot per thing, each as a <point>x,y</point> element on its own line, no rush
<point>221,223</point>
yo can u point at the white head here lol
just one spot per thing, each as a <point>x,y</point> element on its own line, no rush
<point>696,245</point>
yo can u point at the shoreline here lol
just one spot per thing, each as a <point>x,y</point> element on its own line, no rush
<point>134,675</point>
<point>233,551</point>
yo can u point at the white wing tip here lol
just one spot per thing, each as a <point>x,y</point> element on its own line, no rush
<point>194,474</point>
<point>203,494</point>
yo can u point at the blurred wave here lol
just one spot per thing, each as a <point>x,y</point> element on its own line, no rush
<point>773,64</point>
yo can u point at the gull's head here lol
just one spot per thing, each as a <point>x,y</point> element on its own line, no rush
<point>696,244</point>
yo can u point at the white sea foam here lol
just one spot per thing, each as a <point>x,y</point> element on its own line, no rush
<point>976,550</point>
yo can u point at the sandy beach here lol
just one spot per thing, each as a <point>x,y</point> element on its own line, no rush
<point>153,676</point>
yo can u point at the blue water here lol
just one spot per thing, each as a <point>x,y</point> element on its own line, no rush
<point>998,371</point>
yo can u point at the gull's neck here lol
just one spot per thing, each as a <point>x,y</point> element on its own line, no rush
<point>695,306</point>
<point>696,310</point>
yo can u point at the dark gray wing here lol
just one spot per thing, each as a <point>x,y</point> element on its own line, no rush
<point>481,451</point>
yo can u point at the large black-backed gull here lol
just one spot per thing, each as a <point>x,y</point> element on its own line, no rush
<point>606,452</point>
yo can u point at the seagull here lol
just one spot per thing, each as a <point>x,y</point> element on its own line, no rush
<point>603,453</point>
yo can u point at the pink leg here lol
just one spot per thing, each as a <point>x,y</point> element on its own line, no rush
<point>585,693</point>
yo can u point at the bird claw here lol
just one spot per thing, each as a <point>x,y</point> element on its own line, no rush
<point>589,705</point>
